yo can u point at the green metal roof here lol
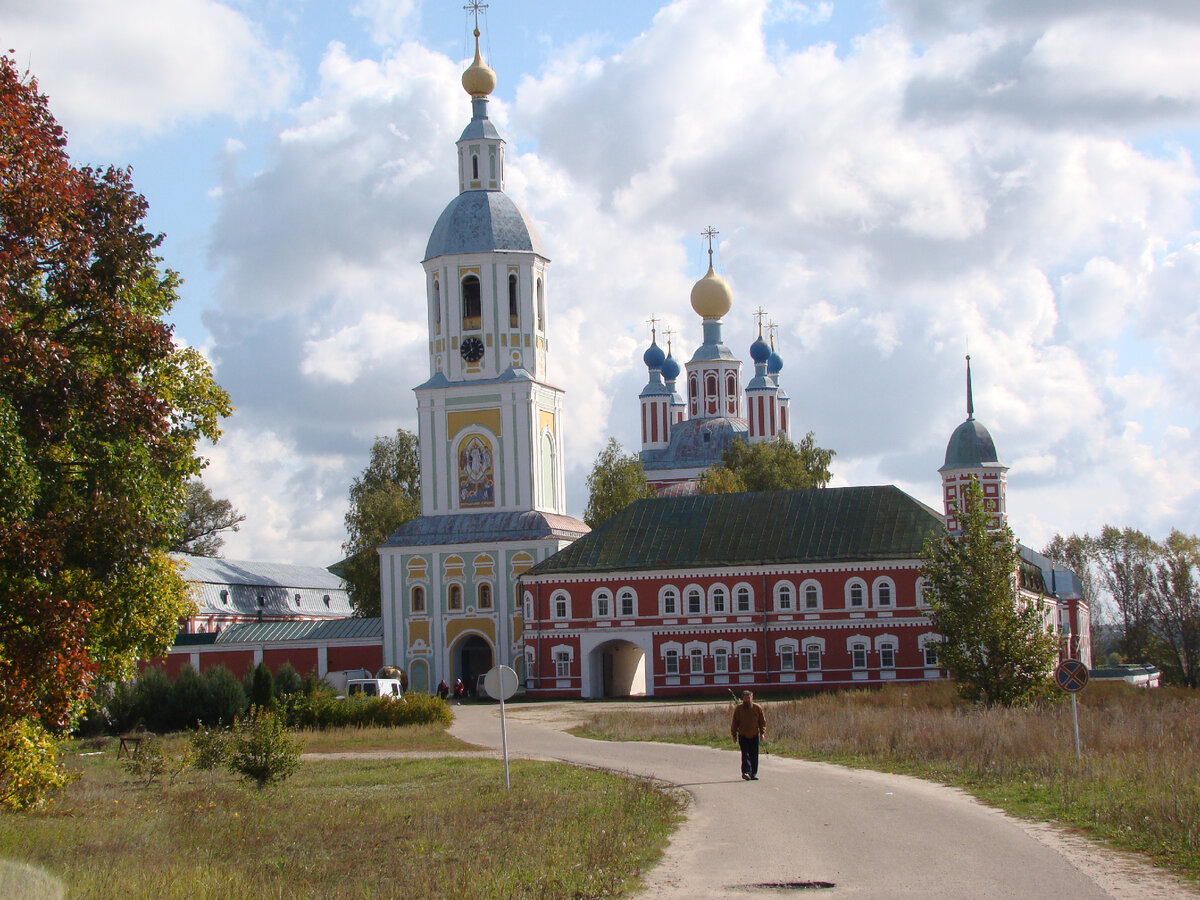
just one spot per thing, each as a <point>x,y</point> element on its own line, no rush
<point>328,630</point>
<point>773,527</point>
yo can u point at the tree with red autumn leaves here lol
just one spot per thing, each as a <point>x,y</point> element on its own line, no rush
<point>100,414</point>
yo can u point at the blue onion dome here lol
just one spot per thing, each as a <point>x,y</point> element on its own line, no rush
<point>759,351</point>
<point>654,356</point>
<point>774,363</point>
<point>670,368</point>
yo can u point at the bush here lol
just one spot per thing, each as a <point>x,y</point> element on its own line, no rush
<point>152,701</point>
<point>262,687</point>
<point>189,700</point>
<point>30,770</point>
<point>147,762</point>
<point>288,681</point>
<point>226,698</point>
<point>322,710</point>
<point>262,749</point>
<point>210,749</point>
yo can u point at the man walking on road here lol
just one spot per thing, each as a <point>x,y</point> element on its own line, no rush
<point>749,725</point>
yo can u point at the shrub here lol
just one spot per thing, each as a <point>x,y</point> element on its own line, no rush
<point>147,762</point>
<point>322,710</point>
<point>30,770</point>
<point>262,687</point>
<point>210,749</point>
<point>226,698</point>
<point>152,700</point>
<point>189,699</point>
<point>288,681</point>
<point>262,749</point>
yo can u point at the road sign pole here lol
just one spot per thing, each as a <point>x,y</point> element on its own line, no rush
<point>1075,718</point>
<point>504,742</point>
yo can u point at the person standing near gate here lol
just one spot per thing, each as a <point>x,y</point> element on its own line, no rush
<point>748,727</point>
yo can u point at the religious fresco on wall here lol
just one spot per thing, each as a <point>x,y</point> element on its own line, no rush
<point>476,485</point>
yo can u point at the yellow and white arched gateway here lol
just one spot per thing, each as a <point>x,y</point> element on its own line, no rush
<point>493,498</point>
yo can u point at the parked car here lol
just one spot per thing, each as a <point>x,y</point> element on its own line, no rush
<point>375,687</point>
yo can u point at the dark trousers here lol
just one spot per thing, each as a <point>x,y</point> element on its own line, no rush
<point>749,747</point>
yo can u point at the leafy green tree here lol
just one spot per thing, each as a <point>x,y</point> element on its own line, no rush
<point>616,481</point>
<point>262,687</point>
<point>385,496</point>
<point>1125,560</point>
<point>100,414</point>
<point>226,697</point>
<point>777,465</point>
<point>994,643</point>
<point>1174,607</point>
<point>202,520</point>
<point>1076,552</point>
<point>288,681</point>
<point>262,750</point>
<point>189,699</point>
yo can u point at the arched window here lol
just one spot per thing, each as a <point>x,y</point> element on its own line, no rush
<point>559,604</point>
<point>856,593</point>
<point>719,598</point>
<point>743,598</point>
<point>541,306</point>
<point>455,600</point>
<point>671,658</point>
<point>668,601</point>
<point>474,167</point>
<point>485,596</point>
<point>437,305</point>
<point>418,599</point>
<point>514,319</point>
<point>472,315</point>
<point>812,595</point>
<point>696,661</point>
<point>695,601</point>
<point>783,596</point>
<point>884,592</point>
<point>628,602</point>
<point>710,394</point>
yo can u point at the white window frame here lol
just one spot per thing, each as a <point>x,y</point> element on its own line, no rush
<point>602,603</point>
<point>693,654</point>
<point>877,590</point>
<point>715,591</point>
<point>802,595</point>
<point>851,583</point>
<point>720,657</point>
<point>693,592</point>
<point>919,590</point>
<point>528,604</point>
<point>744,654</point>
<point>887,642</point>
<point>859,642</point>
<point>669,650</point>
<point>813,651</point>
<point>668,600</point>
<point>563,597</point>
<point>630,595</point>
<point>562,654</point>
<point>740,590</point>
<point>784,596</point>
<point>924,642</point>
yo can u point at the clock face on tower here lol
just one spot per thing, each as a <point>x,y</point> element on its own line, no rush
<point>472,349</point>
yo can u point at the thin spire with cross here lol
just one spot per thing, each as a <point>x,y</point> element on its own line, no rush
<point>771,326</point>
<point>653,322</point>
<point>709,233</point>
<point>475,6</point>
<point>758,316</point>
<point>668,331</point>
<point>970,399</point>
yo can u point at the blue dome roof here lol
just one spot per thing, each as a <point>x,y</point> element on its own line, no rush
<point>759,351</point>
<point>670,368</point>
<point>774,363</point>
<point>480,222</point>
<point>654,356</point>
<point>970,446</point>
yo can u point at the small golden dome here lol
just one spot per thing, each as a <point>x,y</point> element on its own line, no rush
<point>479,80</point>
<point>711,295</point>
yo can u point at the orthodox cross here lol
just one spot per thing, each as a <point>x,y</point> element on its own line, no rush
<point>474,7</point>
<point>771,326</point>
<point>709,233</point>
<point>668,331</point>
<point>758,315</point>
<point>652,321</point>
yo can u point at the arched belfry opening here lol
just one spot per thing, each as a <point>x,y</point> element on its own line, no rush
<point>618,669</point>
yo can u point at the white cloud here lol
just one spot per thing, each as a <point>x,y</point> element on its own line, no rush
<point>116,66</point>
<point>886,234</point>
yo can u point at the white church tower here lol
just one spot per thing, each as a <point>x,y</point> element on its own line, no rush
<point>493,497</point>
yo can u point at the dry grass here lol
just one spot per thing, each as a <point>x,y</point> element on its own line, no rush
<point>348,829</point>
<point>1138,784</point>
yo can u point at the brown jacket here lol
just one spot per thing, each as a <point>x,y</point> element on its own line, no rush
<point>748,721</point>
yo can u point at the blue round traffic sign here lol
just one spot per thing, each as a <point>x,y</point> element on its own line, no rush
<point>1071,675</point>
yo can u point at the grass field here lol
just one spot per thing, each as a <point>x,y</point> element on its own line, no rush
<point>346,829</point>
<point>1138,785</point>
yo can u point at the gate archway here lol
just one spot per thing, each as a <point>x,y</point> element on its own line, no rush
<point>618,670</point>
<point>471,657</point>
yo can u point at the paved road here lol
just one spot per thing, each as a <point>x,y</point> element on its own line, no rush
<point>869,834</point>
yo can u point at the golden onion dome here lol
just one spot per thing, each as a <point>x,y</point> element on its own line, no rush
<point>479,80</point>
<point>711,295</point>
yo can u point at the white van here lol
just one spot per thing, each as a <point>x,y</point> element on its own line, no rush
<point>375,687</point>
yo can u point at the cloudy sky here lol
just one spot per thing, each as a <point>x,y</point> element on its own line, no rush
<point>896,182</point>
